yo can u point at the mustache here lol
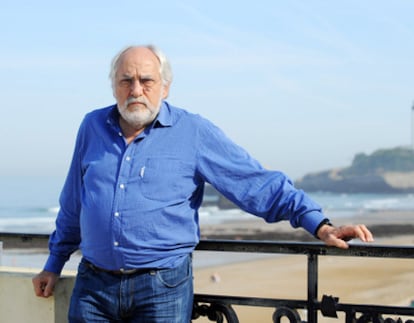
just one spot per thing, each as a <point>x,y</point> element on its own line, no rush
<point>141,100</point>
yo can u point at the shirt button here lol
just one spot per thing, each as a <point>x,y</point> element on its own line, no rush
<point>128,158</point>
<point>122,186</point>
<point>120,134</point>
<point>116,214</point>
<point>116,243</point>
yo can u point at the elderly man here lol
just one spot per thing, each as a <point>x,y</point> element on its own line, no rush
<point>131,198</point>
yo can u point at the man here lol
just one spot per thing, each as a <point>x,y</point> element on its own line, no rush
<point>132,193</point>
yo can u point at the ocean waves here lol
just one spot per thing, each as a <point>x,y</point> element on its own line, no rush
<point>31,218</point>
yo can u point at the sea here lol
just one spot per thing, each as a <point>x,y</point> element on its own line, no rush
<point>29,204</point>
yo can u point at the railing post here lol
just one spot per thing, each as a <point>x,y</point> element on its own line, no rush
<point>312,288</point>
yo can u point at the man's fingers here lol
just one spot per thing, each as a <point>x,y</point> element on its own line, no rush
<point>38,289</point>
<point>48,290</point>
<point>44,283</point>
<point>42,289</point>
<point>366,234</point>
<point>339,243</point>
<point>359,231</point>
<point>338,237</point>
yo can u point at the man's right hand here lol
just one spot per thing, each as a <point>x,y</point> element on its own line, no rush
<point>44,283</point>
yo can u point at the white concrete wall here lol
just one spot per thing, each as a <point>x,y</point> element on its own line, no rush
<point>18,303</point>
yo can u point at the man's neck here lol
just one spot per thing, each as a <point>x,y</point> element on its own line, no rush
<point>129,132</point>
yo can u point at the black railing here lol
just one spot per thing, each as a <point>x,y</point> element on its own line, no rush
<point>220,308</point>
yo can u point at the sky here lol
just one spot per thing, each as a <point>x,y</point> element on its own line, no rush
<point>301,85</point>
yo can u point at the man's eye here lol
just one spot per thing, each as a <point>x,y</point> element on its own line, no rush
<point>147,82</point>
<point>124,83</point>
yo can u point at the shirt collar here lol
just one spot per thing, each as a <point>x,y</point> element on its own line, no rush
<point>164,117</point>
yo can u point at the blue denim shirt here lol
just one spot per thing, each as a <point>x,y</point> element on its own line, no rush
<point>136,206</point>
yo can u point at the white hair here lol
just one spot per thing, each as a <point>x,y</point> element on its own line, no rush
<point>165,66</point>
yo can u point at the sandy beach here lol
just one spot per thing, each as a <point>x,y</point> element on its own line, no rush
<point>365,280</point>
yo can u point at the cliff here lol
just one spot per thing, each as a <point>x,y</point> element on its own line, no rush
<point>384,171</point>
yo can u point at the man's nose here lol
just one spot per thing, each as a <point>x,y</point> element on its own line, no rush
<point>136,89</point>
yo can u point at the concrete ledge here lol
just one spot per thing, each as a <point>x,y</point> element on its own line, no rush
<point>18,303</point>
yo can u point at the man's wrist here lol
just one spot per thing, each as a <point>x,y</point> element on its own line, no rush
<point>54,264</point>
<point>324,222</point>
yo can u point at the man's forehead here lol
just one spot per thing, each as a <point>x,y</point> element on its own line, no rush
<point>138,61</point>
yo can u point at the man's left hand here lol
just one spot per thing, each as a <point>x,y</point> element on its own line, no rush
<point>338,236</point>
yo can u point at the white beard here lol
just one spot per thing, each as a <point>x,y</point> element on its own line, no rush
<point>139,116</point>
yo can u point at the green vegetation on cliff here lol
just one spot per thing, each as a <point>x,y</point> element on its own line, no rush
<point>383,171</point>
<point>380,161</point>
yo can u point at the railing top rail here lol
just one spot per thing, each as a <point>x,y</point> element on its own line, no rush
<point>21,235</point>
<point>253,246</point>
<point>315,248</point>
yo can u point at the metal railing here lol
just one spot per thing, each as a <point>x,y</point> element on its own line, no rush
<point>219,308</point>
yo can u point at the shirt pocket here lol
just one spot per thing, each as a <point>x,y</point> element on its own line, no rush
<point>166,179</point>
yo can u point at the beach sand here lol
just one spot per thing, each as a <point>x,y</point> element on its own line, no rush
<point>378,281</point>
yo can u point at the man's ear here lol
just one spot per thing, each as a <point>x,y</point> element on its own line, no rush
<point>165,91</point>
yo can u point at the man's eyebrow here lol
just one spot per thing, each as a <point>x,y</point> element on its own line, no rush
<point>146,77</point>
<point>125,76</point>
<point>142,77</point>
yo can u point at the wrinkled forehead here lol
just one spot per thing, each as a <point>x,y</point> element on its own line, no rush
<point>138,61</point>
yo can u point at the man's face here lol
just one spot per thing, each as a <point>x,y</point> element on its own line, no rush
<point>138,87</point>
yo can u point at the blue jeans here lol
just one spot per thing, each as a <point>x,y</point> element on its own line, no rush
<point>156,296</point>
